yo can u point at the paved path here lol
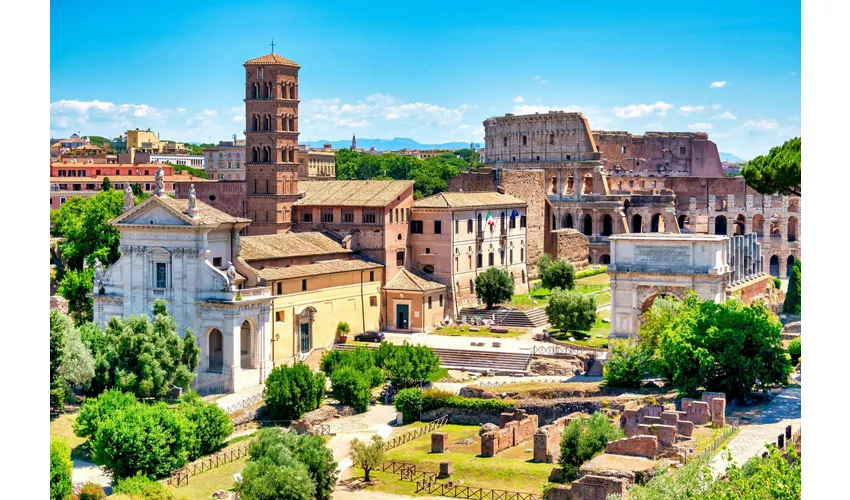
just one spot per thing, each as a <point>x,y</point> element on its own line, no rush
<point>784,409</point>
<point>85,472</point>
<point>522,343</point>
<point>362,426</point>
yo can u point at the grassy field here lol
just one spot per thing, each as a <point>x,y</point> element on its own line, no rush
<point>584,285</point>
<point>511,469</point>
<point>596,337</point>
<point>202,486</point>
<point>455,331</point>
<point>567,389</point>
<point>61,427</point>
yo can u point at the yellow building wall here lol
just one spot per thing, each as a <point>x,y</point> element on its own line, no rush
<point>335,297</point>
<point>135,138</point>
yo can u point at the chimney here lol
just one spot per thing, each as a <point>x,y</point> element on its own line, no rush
<point>132,151</point>
<point>327,147</point>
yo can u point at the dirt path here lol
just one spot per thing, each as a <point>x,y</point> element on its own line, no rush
<point>363,426</point>
<point>783,410</point>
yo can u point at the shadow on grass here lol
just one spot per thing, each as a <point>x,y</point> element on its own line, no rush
<point>82,452</point>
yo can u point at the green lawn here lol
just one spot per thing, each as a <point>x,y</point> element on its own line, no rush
<point>438,375</point>
<point>509,470</point>
<point>61,427</point>
<point>584,285</point>
<point>596,337</point>
<point>463,331</point>
<point>202,486</point>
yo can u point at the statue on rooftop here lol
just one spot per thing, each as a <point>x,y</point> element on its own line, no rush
<point>231,275</point>
<point>98,272</point>
<point>193,202</point>
<point>129,199</point>
<point>159,180</point>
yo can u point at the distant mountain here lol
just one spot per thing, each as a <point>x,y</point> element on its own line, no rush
<point>729,157</point>
<point>390,144</point>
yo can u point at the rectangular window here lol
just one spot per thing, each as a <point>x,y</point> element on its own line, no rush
<point>391,216</point>
<point>280,315</point>
<point>399,258</point>
<point>373,301</point>
<point>551,138</point>
<point>216,261</point>
<point>147,186</point>
<point>511,255</point>
<point>682,150</point>
<point>429,303</point>
<point>348,217</point>
<point>280,291</point>
<point>61,173</point>
<point>438,227</point>
<point>623,150</point>
<point>469,226</point>
<point>396,215</point>
<point>522,221</point>
<point>513,223</point>
<point>441,300</point>
<point>371,275</point>
<point>491,259</point>
<point>97,172</point>
<point>161,275</point>
<point>368,217</point>
<point>303,285</point>
<point>457,226</point>
<point>402,215</point>
<point>327,216</point>
<point>480,260</point>
<point>416,227</point>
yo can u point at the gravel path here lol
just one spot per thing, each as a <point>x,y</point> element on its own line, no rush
<point>362,426</point>
<point>783,410</point>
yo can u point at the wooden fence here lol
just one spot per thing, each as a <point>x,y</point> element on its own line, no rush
<point>450,489</point>
<point>415,433</point>
<point>407,471</point>
<point>709,451</point>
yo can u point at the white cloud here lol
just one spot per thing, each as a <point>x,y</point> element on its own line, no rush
<point>726,115</point>
<point>759,127</point>
<point>537,77</point>
<point>181,110</point>
<point>717,85</point>
<point>101,118</point>
<point>652,126</point>
<point>660,108</point>
<point>715,107</point>
<point>688,109</point>
<point>519,98</point>
<point>700,127</point>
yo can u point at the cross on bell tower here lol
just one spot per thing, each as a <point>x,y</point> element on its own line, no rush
<point>272,44</point>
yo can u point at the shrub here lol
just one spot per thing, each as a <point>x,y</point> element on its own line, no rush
<point>795,349</point>
<point>409,403</point>
<point>140,487</point>
<point>582,439</point>
<point>793,299</point>
<point>91,491</point>
<point>60,470</point>
<point>592,272</point>
<point>408,365</point>
<point>571,310</point>
<point>95,411</point>
<point>360,359</point>
<point>382,352</point>
<point>292,391</point>
<point>342,329</point>
<point>211,425</point>
<point>274,473</point>
<point>435,398</point>
<point>543,264</point>
<point>149,439</point>
<point>309,449</point>
<point>494,286</point>
<point>367,455</point>
<point>350,386</point>
<point>777,283</point>
<point>625,366</point>
<point>560,274</point>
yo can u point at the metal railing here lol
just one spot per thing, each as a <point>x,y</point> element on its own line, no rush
<point>709,451</point>
<point>256,398</point>
<point>415,433</point>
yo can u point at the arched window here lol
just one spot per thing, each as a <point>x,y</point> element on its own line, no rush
<point>607,225</point>
<point>790,265</point>
<point>605,259</point>
<point>471,286</point>
<point>637,223</point>
<point>587,227</point>
<point>246,346</point>
<point>568,221</point>
<point>684,220</point>
<point>774,265</point>
<point>215,353</point>
<point>720,225</point>
<point>792,229</point>
<point>657,224</point>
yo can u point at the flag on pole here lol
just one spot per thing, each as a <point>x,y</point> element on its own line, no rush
<point>514,214</point>
<point>490,219</point>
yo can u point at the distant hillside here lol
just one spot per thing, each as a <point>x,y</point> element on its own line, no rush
<point>389,144</point>
<point>729,157</point>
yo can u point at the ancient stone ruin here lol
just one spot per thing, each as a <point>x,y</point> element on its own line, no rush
<point>439,442</point>
<point>547,439</point>
<point>514,428</point>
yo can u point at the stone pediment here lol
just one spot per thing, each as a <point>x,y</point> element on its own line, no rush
<point>154,214</point>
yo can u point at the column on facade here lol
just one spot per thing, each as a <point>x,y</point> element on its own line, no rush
<point>560,182</point>
<point>742,247</point>
<point>231,350</point>
<point>783,230</point>
<point>711,221</point>
<point>748,225</point>
<point>783,267</point>
<point>734,260</point>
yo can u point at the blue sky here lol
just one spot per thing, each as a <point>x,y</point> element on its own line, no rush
<point>432,71</point>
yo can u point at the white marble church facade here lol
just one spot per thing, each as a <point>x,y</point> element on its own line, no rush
<point>180,251</point>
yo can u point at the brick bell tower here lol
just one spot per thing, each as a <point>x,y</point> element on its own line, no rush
<point>271,142</point>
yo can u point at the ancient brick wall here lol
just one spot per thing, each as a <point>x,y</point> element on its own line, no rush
<point>592,487</point>
<point>547,439</point>
<point>516,427</point>
<point>570,244</point>
<point>636,446</point>
<point>528,185</point>
<point>227,196</point>
<point>473,182</point>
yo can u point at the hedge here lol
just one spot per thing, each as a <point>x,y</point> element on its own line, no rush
<point>591,272</point>
<point>433,399</point>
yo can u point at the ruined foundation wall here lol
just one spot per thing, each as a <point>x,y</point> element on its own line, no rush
<point>528,185</point>
<point>570,244</point>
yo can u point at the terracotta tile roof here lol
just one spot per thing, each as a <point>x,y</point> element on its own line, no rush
<point>272,58</point>
<point>317,268</point>
<point>413,281</point>
<point>281,246</point>
<point>351,193</point>
<point>467,200</point>
<point>207,215</point>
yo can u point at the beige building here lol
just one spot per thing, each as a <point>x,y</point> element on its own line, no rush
<point>225,163</point>
<point>317,164</point>
<point>414,302</point>
<point>456,236</point>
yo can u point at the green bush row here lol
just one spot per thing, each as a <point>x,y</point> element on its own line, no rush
<point>433,399</point>
<point>591,272</point>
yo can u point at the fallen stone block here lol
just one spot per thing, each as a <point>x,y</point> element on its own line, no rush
<point>637,446</point>
<point>685,428</point>
<point>698,412</point>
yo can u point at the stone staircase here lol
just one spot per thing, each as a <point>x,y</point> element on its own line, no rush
<point>594,369</point>
<point>507,363</point>
<point>529,318</point>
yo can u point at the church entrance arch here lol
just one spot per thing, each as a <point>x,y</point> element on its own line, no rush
<point>215,350</point>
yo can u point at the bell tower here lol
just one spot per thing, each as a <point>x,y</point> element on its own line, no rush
<point>271,142</point>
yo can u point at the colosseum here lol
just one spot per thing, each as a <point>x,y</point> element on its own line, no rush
<point>603,183</point>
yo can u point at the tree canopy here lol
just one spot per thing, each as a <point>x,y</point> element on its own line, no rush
<point>779,171</point>
<point>84,223</point>
<point>494,286</point>
<point>559,274</point>
<point>430,175</point>
<point>794,298</point>
<point>573,311</point>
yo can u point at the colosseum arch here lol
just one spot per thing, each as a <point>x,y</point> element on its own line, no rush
<point>758,225</point>
<point>792,228</point>
<point>740,224</point>
<point>720,225</point>
<point>657,224</point>
<point>607,223</point>
<point>774,265</point>
<point>637,223</point>
<point>568,221</point>
<point>587,225</point>
<point>684,222</point>
<point>790,265</point>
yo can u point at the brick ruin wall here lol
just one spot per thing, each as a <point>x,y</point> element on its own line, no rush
<point>547,439</point>
<point>227,196</point>
<point>570,244</point>
<point>644,152</point>
<point>515,428</point>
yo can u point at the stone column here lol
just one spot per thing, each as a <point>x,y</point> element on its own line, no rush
<point>711,221</point>
<point>748,226</point>
<point>232,333</point>
<point>560,182</point>
<point>783,230</point>
<point>783,267</point>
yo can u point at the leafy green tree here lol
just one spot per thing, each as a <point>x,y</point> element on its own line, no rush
<point>75,287</point>
<point>560,274</point>
<point>625,366</point>
<point>775,477</point>
<point>582,439</point>
<point>571,311</point>
<point>543,263</point>
<point>77,368</point>
<point>141,488</point>
<point>60,470</point>
<point>494,286</point>
<point>149,439</point>
<point>780,171</point>
<point>794,298</point>
<point>368,456</point>
<point>408,365</point>
<point>276,475</point>
<point>211,424</point>
<point>309,449</point>
<point>360,359</point>
<point>59,325</point>
<point>382,353</point>
<point>409,403</point>
<point>95,411</point>
<point>655,320</point>
<point>350,386</point>
<point>106,185</point>
<point>86,229</point>
<point>292,391</point>
<point>726,347</point>
<point>795,349</point>
<point>144,357</point>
